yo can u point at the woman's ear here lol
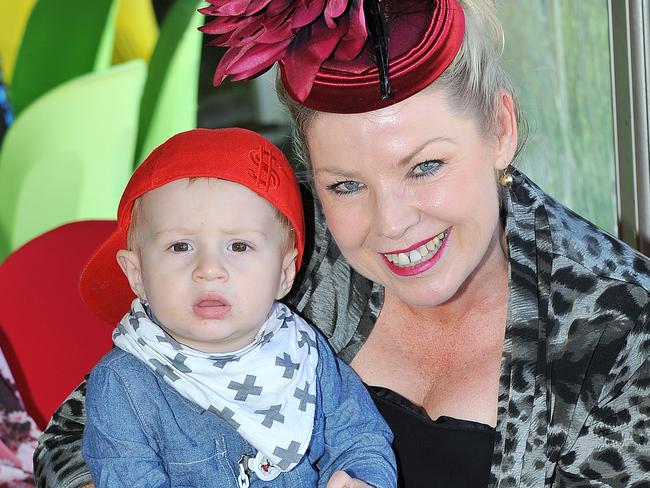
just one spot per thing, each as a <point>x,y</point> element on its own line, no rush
<point>507,135</point>
<point>129,262</point>
<point>288,273</point>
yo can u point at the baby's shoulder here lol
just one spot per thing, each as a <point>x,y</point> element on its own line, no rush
<point>122,367</point>
<point>117,360</point>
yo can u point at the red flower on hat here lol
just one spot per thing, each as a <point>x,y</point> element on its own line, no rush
<point>300,33</point>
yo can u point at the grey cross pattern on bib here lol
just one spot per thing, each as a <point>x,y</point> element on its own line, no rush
<point>246,388</point>
<point>288,455</point>
<point>271,414</point>
<point>164,370</point>
<point>226,414</point>
<point>286,319</point>
<point>221,362</point>
<point>289,367</point>
<point>168,340</point>
<point>266,339</point>
<point>305,397</point>
<point>305,339</point>
<point>179,363</point>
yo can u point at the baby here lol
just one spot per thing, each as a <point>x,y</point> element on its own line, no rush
<point>214,383</point>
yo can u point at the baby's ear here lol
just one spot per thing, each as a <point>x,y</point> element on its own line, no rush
<point>129,262</point>
<point>288,273</point>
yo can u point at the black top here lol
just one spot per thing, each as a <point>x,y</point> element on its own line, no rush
<point>443,453</point>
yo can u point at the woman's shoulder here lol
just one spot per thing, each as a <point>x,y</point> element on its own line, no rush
<point>581,246</point>
<point>593,292</point>
<point>608,258</point>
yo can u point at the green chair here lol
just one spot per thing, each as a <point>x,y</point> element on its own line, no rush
<point>169,102</point>
<point>63,39</point>
<point>68,156</point>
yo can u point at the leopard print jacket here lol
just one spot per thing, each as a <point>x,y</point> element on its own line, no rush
<point>574,401</point>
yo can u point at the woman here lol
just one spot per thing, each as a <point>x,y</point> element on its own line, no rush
<point>504,338</point>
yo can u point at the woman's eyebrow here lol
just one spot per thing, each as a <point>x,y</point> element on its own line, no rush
<point>408,158</point>
<point>335,172</point>
<point>338,171</point>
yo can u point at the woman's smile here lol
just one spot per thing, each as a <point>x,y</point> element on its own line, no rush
<point>419,257</point>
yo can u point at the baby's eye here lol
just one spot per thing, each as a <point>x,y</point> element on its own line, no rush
<point>426,168</point>
<point>239,247</point>
<point>180,247</point>
<point>345,187</point>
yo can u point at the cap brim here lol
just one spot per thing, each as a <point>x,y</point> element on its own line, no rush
<point>102,285</point>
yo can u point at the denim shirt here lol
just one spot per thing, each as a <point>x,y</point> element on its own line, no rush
<point>142,433</point>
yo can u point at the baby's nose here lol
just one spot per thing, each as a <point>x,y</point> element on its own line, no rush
<point>210,267</point>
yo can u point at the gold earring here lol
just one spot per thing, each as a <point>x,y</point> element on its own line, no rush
<point>506,179</point>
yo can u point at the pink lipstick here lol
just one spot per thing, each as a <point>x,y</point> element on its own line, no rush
<point>425,254</point>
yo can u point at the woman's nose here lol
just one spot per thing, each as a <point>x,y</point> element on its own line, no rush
<point>395,214</point>
<point>210,267</point>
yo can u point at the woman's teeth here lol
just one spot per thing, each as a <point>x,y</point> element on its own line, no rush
<point>418,255</point>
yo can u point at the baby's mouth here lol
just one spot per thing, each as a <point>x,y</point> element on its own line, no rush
<point>211,307</point>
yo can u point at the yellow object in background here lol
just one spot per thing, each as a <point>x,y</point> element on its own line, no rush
<point>13,18</point>
<point>136,30</point>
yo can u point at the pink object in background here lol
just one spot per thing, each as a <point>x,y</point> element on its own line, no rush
<point>18,434</point>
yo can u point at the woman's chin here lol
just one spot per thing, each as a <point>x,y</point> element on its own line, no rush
<point>421,295</point>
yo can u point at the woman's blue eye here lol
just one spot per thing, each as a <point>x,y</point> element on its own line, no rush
<point>239,247</point>
<point>180,247</point>
<point>345,187</point>
<point>426,168</point>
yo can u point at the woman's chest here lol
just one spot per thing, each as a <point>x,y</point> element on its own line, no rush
<point>455,376</point>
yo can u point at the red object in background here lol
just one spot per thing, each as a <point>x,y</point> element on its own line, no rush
<point>50,338</point>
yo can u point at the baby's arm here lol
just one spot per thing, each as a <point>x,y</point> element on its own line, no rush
<point>357,439</point>
<point>115,446</point>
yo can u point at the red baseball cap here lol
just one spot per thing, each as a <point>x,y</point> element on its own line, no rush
<point>233,154</point>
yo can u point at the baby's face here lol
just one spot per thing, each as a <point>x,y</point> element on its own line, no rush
<point>210,259</point>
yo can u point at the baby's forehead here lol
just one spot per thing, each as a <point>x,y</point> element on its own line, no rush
<point>181,187</point>
<point>192,195</point>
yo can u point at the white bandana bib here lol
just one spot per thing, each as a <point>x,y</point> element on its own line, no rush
<point>266,391</point>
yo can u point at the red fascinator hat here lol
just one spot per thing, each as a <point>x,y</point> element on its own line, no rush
<point>236,155</point>
<point>340,56</point>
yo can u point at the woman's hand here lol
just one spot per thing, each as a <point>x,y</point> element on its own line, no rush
<point>340,479</point>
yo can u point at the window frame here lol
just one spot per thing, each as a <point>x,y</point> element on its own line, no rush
<point>629,28</point>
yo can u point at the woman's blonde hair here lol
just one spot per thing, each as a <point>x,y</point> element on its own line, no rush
<point>472,81</point>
